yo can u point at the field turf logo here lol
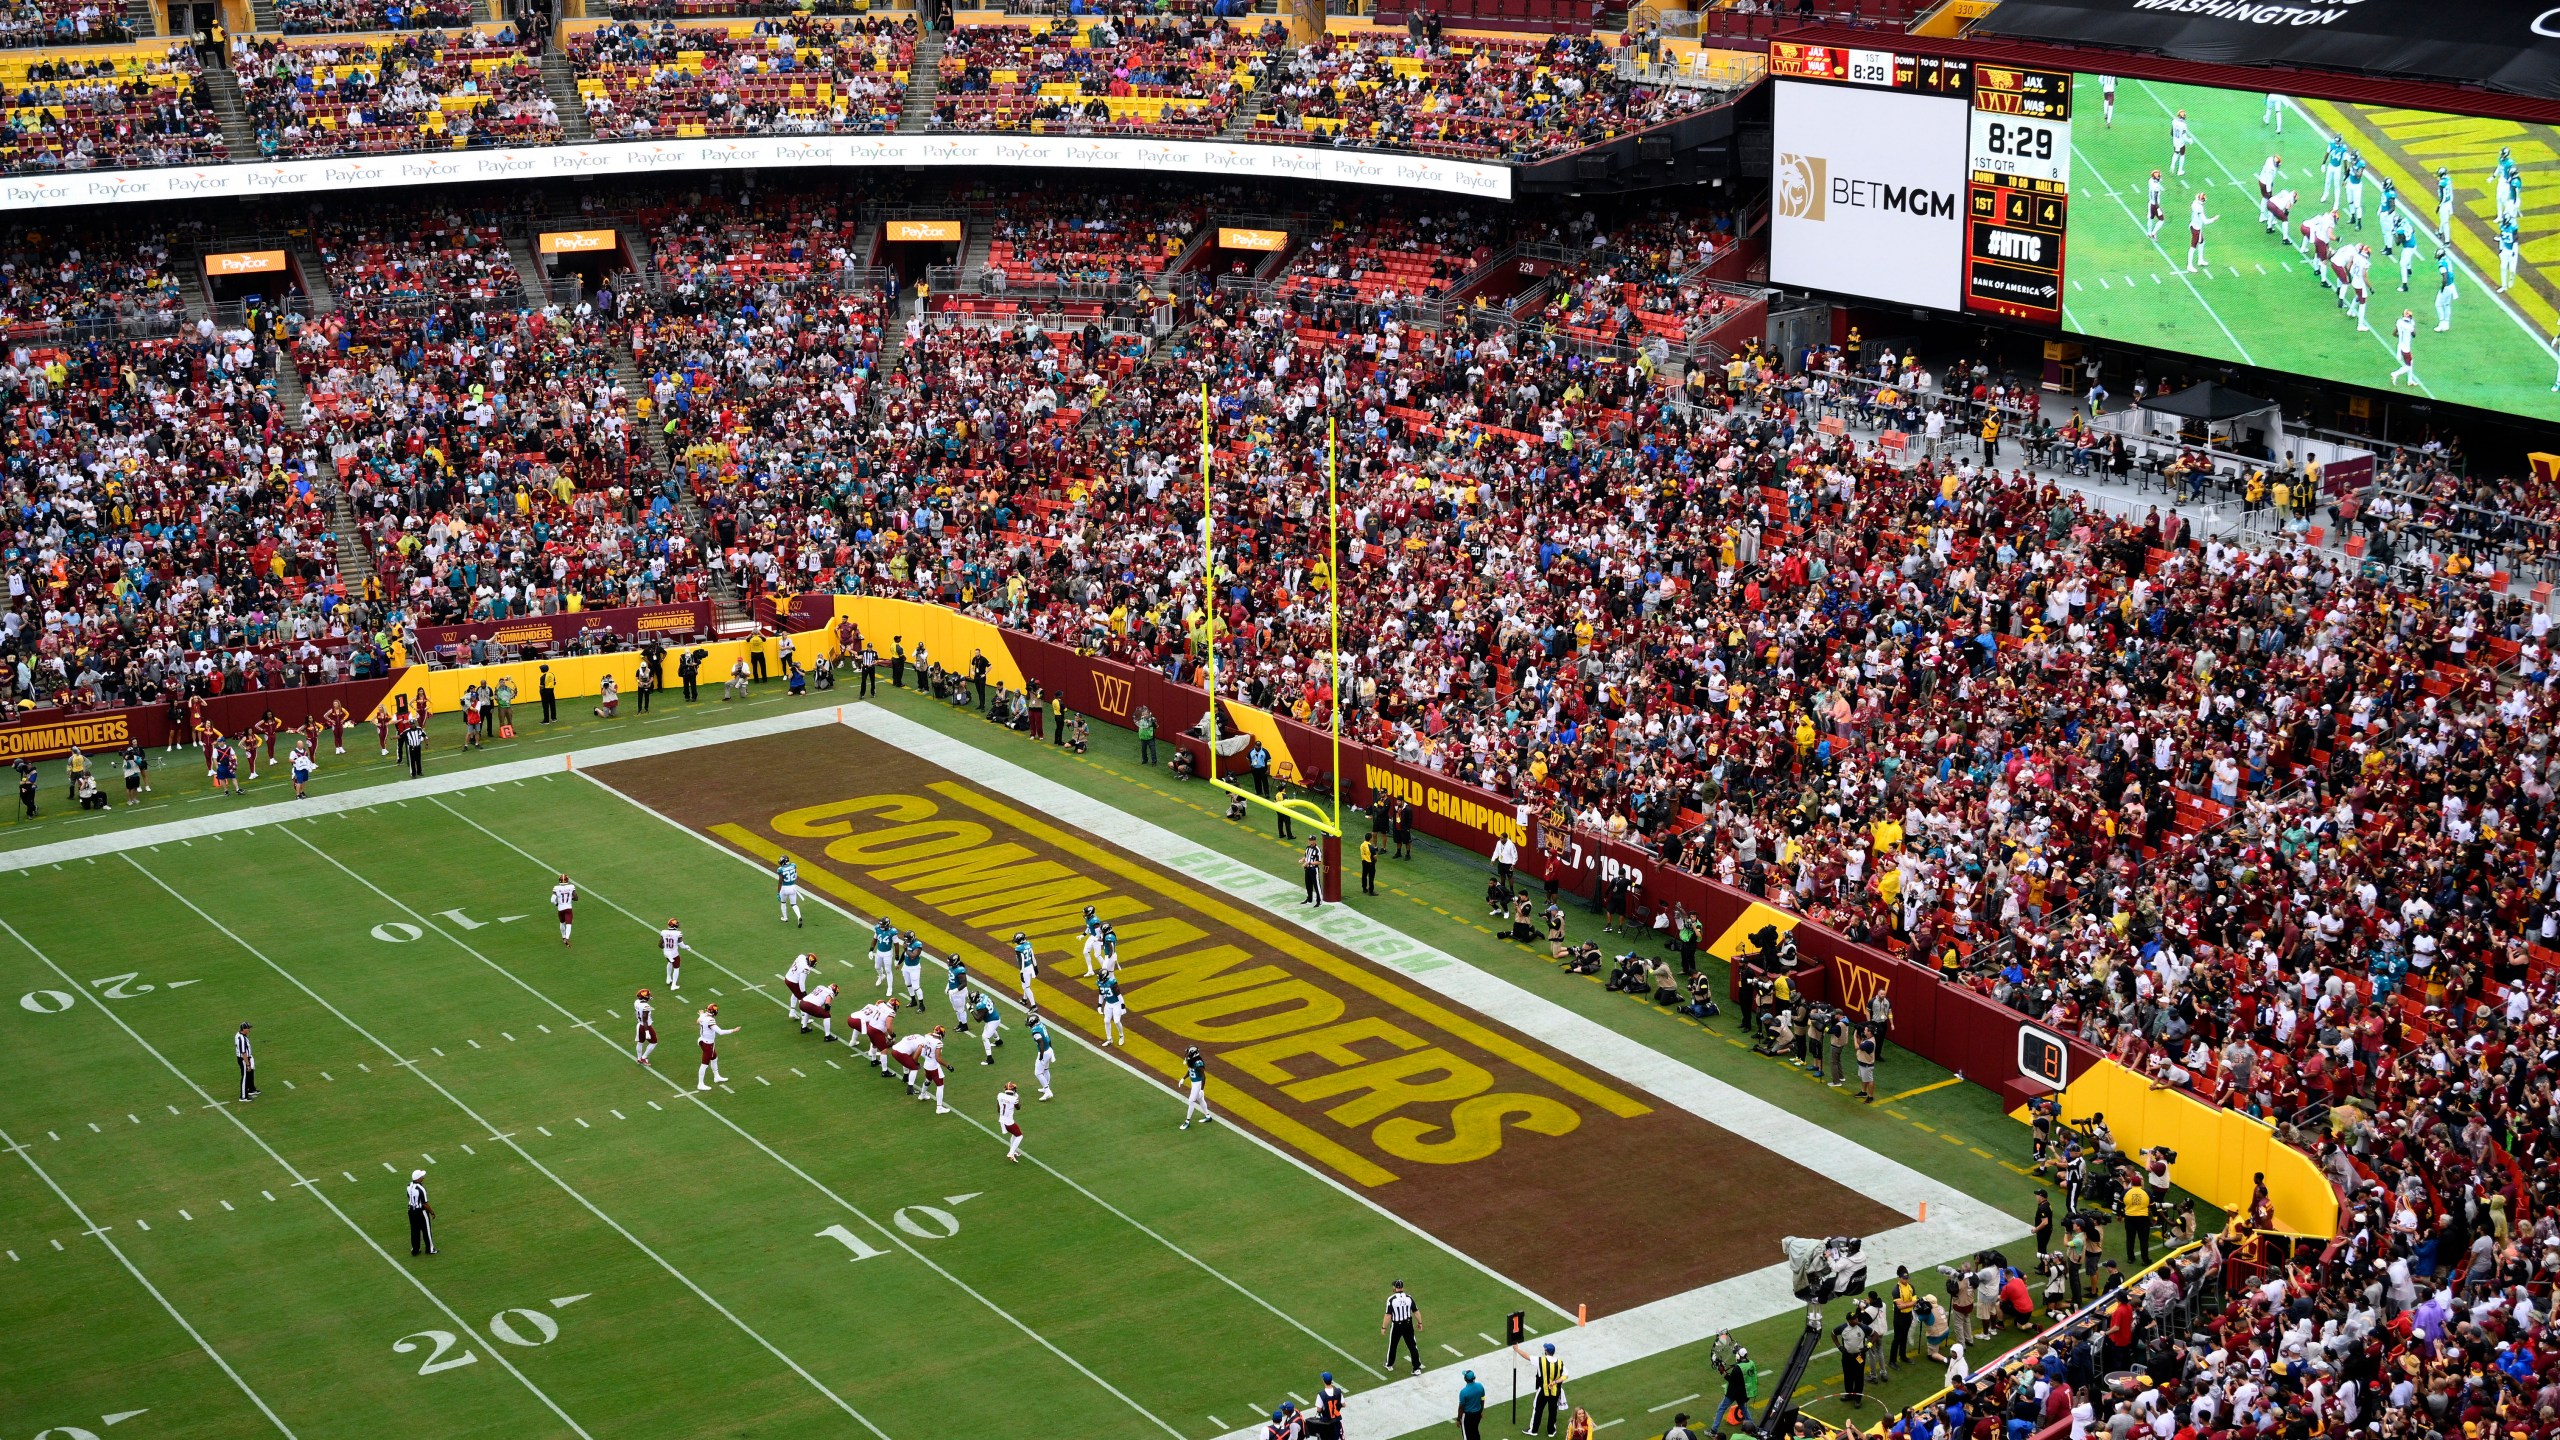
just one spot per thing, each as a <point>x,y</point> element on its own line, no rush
<point>1339,1062</point>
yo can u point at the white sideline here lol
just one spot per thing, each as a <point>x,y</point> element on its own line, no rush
<point>246,816</point>
<point>1958,1224</point>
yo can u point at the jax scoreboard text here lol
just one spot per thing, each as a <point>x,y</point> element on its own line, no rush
<point>2018,192</point>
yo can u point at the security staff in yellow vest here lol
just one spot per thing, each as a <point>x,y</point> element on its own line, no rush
<point>2137,1224</point>
<point>1550,1392</point>
<point>1906,1299</point>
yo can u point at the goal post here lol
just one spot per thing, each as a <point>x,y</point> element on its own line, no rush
<point>1326,822</point>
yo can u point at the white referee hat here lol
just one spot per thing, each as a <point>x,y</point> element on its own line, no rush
<point>417,1174</point>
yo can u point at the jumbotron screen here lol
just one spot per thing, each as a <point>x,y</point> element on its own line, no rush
<point>2367,245</point>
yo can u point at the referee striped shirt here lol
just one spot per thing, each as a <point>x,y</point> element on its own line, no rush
<point>240,1045</point>
<point>1400,1308</point>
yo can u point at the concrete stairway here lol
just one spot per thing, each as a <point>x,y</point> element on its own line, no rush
<point>924,84</point>
<point>727,607</point>
<point>560,80</point>
<point>315,279</point>
<point>221,87</point>
<point>537,290</point>
<point>1249,112</point>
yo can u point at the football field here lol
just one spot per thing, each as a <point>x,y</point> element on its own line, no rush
<point>804,1250</point>
<point>2256,301</point>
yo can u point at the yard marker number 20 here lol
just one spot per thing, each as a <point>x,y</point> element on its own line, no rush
<point>445,1351</point>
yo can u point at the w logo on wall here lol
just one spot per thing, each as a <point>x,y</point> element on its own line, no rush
<point>1858,984</point>
<point>1110,694</point>
<point>1798,184</point>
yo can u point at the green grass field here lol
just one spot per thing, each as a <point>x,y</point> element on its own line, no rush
<point>802,1253</point>
<point>2255,301</point>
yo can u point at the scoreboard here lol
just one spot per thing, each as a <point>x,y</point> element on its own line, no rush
<point>1878,69</point>
<point>2018,192</point>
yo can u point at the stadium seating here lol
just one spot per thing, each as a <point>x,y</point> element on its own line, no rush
<point>174,532</point>
<point>382,94</point>
<point>1177,76</point>
<point>712,245</point>
<point>104,110</point>
<point>408,253</point>
<point>488,458</point>
<point>726,387</point>
<point>62,22</point>
<point>804,75</point>
<point>94,273</point>
<point>347,17</point>
<point>1469,97</point>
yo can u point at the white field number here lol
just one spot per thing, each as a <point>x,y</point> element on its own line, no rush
<point>128,986</point>
<point>444,1350</point>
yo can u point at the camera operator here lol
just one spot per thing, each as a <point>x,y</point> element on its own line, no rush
<point>1702,998</point>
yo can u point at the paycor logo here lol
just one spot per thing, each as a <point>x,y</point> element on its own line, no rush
<point>1798,184</point>
<point>1806,190</point>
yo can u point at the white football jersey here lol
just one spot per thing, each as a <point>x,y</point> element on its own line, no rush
<point>710,1028</point>
<point>1006,1102</point>
<point>670,941</point>
<point>820,996</point>
<point>801,966</point>
<point>640,1012</point>
<point>564,896</point>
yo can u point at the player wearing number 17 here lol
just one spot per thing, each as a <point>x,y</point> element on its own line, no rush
<point>710,1030</point>
<point>564,899</point>
<point>1008,1102</point>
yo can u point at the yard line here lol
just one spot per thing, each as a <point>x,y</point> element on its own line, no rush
<point>565,1187</point>
<point>1667,1404</point>
<point>2379,338</point>
<point>132,1269</point>
<point>2184,278</point>
<point>1452,1349</point>
<point>1489,1340</point>
<point>1204,1266</point>
<point>892,1236</point>
<point>233,1114</point>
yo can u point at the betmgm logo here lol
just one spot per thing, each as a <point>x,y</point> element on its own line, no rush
<point>1797,184</point>
<point>1802,187</point>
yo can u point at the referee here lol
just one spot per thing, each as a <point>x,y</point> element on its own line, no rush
<point>1398,1325</point>
<point>1550,1391</point>
<point>248,1063</point>
<point>422,1216</point>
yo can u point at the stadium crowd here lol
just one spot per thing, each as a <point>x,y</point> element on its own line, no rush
<point>381,94</point>
<point>2259,822</point>
<point>803,75</point>
<point>104,112</point>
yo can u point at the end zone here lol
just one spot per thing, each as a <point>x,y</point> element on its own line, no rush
<point>1356,1048</point>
